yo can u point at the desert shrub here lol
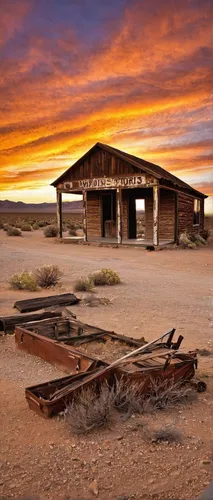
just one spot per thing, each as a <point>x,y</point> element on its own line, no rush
<point>185,242</point>
<point>72,232</point>
<point>84,285</point>
<point>167,394</point>
<point>13,231</point>
<point>23,281</point>
<point>26,227</point>
<point>205,233</point>
<point>5,227</point>
<point>105,277</point>
<point>41,223</point>
<point>35,226</point>
<point>50,231</point>
<point>72,226</point>
<point>129,398</point>
<point>168,434</point>
<point>162,394</point>
<point>90,409</point>
<point>47,276</point>
<point>200,240</point>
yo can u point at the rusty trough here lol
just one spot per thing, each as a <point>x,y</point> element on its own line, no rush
<point>90,354</point>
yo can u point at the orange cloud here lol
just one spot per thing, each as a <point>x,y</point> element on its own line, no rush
<point>144,86</point>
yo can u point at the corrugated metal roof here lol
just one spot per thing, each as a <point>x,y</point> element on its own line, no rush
<point>151,168</point>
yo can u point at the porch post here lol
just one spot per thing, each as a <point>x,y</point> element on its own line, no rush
<point>119,216</point>
<point>59,213</point>
<point>156,215</point>
<point>85,215</point>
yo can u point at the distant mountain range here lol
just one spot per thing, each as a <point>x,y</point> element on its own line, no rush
<point>20,207</point>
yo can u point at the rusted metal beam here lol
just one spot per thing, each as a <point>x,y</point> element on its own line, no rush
<point>29,305</point>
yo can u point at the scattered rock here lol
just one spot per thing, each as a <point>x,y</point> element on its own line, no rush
<point>93,487</point>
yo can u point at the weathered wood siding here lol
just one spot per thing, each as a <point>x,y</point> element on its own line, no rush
<point>186,212</point>
<point>93,214</point>
<point>167,215</point>
<point>149,216</point>
<point>102,164</point>
<point>125,210</point>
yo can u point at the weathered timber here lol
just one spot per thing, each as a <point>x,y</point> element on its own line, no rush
<point>59,213</point>
<point>85,215</point>
<point>8,323</point>
<point>29,305</point>
<point>119,215</point>
<point>156,215</point>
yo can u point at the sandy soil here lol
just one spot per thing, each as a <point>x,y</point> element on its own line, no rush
<point>159,290</point>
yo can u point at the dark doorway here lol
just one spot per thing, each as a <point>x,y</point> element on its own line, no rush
<point>108,214</point>
<point>132,232</point>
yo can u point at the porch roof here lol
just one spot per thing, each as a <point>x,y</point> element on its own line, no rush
<point>151,168</point>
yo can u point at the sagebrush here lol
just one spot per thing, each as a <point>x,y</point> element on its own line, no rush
<point>168,434</point>
<point>50,231</point>
<point>47,276</point>
<point>13,231</point>
<point>91,409</point>
<point>26,227</point>
<point>23,281</point>
<point>104,277</point>
<point>84,285</point>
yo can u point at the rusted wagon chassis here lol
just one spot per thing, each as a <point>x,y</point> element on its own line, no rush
<point>135,360</point>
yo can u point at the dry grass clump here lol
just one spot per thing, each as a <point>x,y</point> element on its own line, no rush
<point>167,434</point>
<point>35,226</point>
<point>192,241</point>
<point>162,395</point>
<point>50,231</point>
<point>105,277</point>
<point>94,407</point>
<point>91,409</point>
<point>26,227</point>
<point>42,223</point>
<point>47,276</point>
<point>84,285</point>
<point>185,242</point>
<point>13,231</point>
<point>166,394</point>
<point>72,232</point>
<point>205,233</point>
<point>24,281</point>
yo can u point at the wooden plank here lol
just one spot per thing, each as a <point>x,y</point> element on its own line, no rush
<point>156,215</point>
<point>42,302</point>
<point>8,323</point>
<point>59,213</point>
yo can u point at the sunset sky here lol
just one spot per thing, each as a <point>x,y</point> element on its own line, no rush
<point>134,74</point>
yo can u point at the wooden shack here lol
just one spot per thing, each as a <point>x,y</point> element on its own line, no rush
<point>111,181</point>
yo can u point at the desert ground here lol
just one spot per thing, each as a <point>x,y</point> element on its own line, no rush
<point>43,459</point>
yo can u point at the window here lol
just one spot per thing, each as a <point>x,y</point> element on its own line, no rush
<point>196,217</point>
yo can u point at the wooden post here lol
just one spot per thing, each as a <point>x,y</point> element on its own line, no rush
<point>176,219</point>
<point>59,214</point>
<point>85,215</point>
<point>156,215</point>
<point>119,217</point>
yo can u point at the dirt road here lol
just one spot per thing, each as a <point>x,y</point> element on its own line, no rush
<point>159,290</point>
